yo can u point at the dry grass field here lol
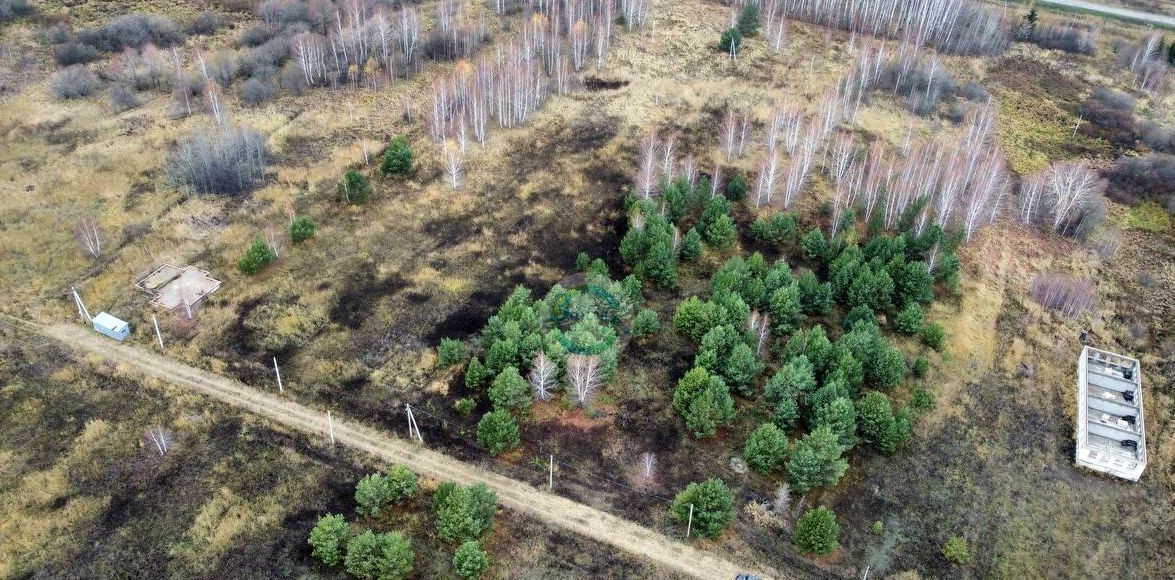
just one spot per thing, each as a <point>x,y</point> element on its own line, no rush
<point>354,315</point>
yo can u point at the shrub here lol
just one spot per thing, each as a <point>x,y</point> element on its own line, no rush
<point>778,228</point>
<point>328,538</point>
<point>1148,177</point>
<point>132,30</point>
<point>736,188</point>
<point>373,556</point>
<point>204,23</point>
<point>703,401</point>
<point>302,229</point>
<point>921,366</point>
<point>765,448</point>
<point>255,91</point>
<point>691,245</point>
<point>817,532</point>
<point>464,513</point>
<point>257,258</point>
<point>1161,137</point>
<point>922,399</point>
<point>814,247</point>
<point>721,232</point>
<point>909,320</point>
<point>510,392</point>
<point>401,484</point>
<point>1069,295</point>
<point>398,158</point>
<point>476,374</point>
<point>731,40</point>
<point>219,160</point>
<point>74,82</point>
<point>450,352</point>
<point>464,406</point>
<point>748,20</point>
<point>815,298</point>
<point>470,561</point>
<point>497,432</point>
<point>1112,112</point>
<point>933,336</point>
<point>376,491</point>
<point>975,92</point>
<point>123,97</point>
<point>72,53</point>
<point>10,9</point>
<point>355,188</point>
<point>1068,37</point>
<point>713,507</point>
<point>955,550</point>
<point>816,460</point>
<point>877,424</point>
<point>646,323</point>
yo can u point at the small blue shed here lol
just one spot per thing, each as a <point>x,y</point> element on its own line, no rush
<point>111,326</point>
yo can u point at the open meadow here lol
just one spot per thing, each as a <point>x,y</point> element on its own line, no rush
<point>935,228</point>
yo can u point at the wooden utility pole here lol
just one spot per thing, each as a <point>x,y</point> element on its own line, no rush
<point>330,426</point>
<point>158,335</point>
<point>413,428</point>
<point>278,372</point>
<point>551,474</point>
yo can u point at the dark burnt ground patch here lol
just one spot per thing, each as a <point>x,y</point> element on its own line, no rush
<point>1000,473</point>
<point>361,293</point>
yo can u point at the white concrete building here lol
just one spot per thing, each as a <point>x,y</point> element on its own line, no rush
<point>1111,435</point>
<point>111,326</point>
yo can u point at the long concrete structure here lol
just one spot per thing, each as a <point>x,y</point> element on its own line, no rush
<point>1111,435</point>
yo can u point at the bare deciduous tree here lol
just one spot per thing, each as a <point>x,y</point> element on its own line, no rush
<point>159,440</point>
<point>454,163</point>
<point>646,177</point>
<point>584,376</point>
<point>89,236</point>
<point>543,372</point>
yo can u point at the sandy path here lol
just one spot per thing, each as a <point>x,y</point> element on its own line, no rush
<point>516,495</point>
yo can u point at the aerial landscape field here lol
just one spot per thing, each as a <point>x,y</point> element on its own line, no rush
<point>586,289</point>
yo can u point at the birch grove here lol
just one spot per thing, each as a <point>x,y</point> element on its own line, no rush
<point>1059,196</point>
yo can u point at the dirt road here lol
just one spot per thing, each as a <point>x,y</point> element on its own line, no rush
<point>516,495</point>
<point>1114,12</point>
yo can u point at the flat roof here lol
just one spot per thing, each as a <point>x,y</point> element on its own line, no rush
<point>106,320</point>
<point>1111,433</point>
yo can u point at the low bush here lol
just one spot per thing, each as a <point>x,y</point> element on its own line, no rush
<point>386,556</point>
<point>1149,177</point>
<point>1069,295</point>
<point>75,53</point>
<point>1161,138</point>
<point>10,9</point>
<point>74,82</point>
<point>328,538</point>
<point>955,550</point>
<point>731,41</point>
<point>257,258</point>
<point>123,97</point>
<point>817,532</point>
<point>398,158</point>
<point>1068,37</point>
<point>497,432</point>
<point>204,23</point>
<point>255,91</point>
<point>450,352</point>
<point>470,561</point>
<point>132,30</point>
<point>219,160</point>
<point>933,336</point>
<point>1111,113</point>
<point>355,188</point>
<point>302,229</point>
<point>711,504</point>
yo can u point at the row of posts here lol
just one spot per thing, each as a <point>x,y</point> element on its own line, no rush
<point>413,428</point>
